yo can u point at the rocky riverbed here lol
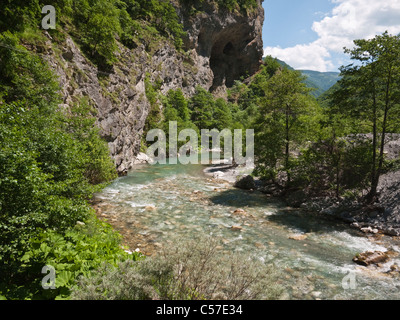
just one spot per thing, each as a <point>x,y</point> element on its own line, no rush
<point>382,217</point>
<point>153,206</point>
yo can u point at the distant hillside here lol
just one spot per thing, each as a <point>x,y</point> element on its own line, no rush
<point>323,80</point>
<point>320,81</point>
<point>284,64</point>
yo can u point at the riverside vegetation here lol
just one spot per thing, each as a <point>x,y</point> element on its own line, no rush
<point>192,270</point>
<point>53,160</point>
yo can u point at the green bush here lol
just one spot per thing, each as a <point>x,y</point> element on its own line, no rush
<point>192,270</point>
<point>79,251</point>
<point>97,24</point>
<point>51,162</point>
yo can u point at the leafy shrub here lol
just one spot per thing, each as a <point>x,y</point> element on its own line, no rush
<point>192,270</point>
<point>17,14</point>
<point>97,24</point>
<point>100,29</point>
<point>335,164</point>
<point>79,251</point>
<point>50,164</point>
<point>98,165</point>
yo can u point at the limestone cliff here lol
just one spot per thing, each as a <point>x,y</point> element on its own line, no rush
<point>227,43</point>
<point>220,47</point>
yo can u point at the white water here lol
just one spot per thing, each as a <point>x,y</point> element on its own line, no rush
<point>184,202</point>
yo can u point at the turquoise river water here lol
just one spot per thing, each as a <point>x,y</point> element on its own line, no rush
<point>154,205</point>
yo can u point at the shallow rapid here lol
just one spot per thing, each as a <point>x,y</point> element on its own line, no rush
<point>154,205</point>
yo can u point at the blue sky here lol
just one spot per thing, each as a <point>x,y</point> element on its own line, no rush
<point>289,22</point>
<point>311,34</point>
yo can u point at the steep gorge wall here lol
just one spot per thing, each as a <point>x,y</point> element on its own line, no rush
<point>220,46</point>
<point>228,43</point>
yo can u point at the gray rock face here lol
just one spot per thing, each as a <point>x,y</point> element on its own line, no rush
<point>143,158</point>
<point>228,43</point>
<point>389,198</point>
<point>221,47</point>
<point>118,98</point>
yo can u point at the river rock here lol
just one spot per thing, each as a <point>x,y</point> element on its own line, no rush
<point>218,174</point>
<point>259,245</point>
<point>142,158</point>
<point>245,182</point>
<point>394,267</point>
<point>240,212</point>
<point>369,257</point>
<point>390,231</point>
<point>369,230</point>
<point>316,294</point>
<point>298,237</point>
<point>236,228</point>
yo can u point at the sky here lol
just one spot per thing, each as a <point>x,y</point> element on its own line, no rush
<point>311,34</point>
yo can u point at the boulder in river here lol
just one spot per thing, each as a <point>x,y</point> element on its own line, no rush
<point>245,182</point>
<point>369,257</point>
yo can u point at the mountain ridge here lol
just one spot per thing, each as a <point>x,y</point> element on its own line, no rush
<point>319,81</point>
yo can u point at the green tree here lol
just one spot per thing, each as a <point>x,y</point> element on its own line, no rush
<point>16,15</point>
<point>177,100</point>
<point>282,123</point>
<point>202,106</point>
<point>161,14</point>
<point>100,31</point>
<point>369,93</point>
<point>222,115</point>
<point>247,97</point>
<point>154,119</point>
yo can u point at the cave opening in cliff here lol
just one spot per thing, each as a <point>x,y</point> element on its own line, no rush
<point>223,64</point>
<point>229,49</point>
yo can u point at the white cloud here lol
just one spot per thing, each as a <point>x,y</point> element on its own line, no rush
<point>312,56</point>
<point>349,20</point>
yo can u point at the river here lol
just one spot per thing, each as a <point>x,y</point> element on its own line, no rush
<point>155,204</point>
